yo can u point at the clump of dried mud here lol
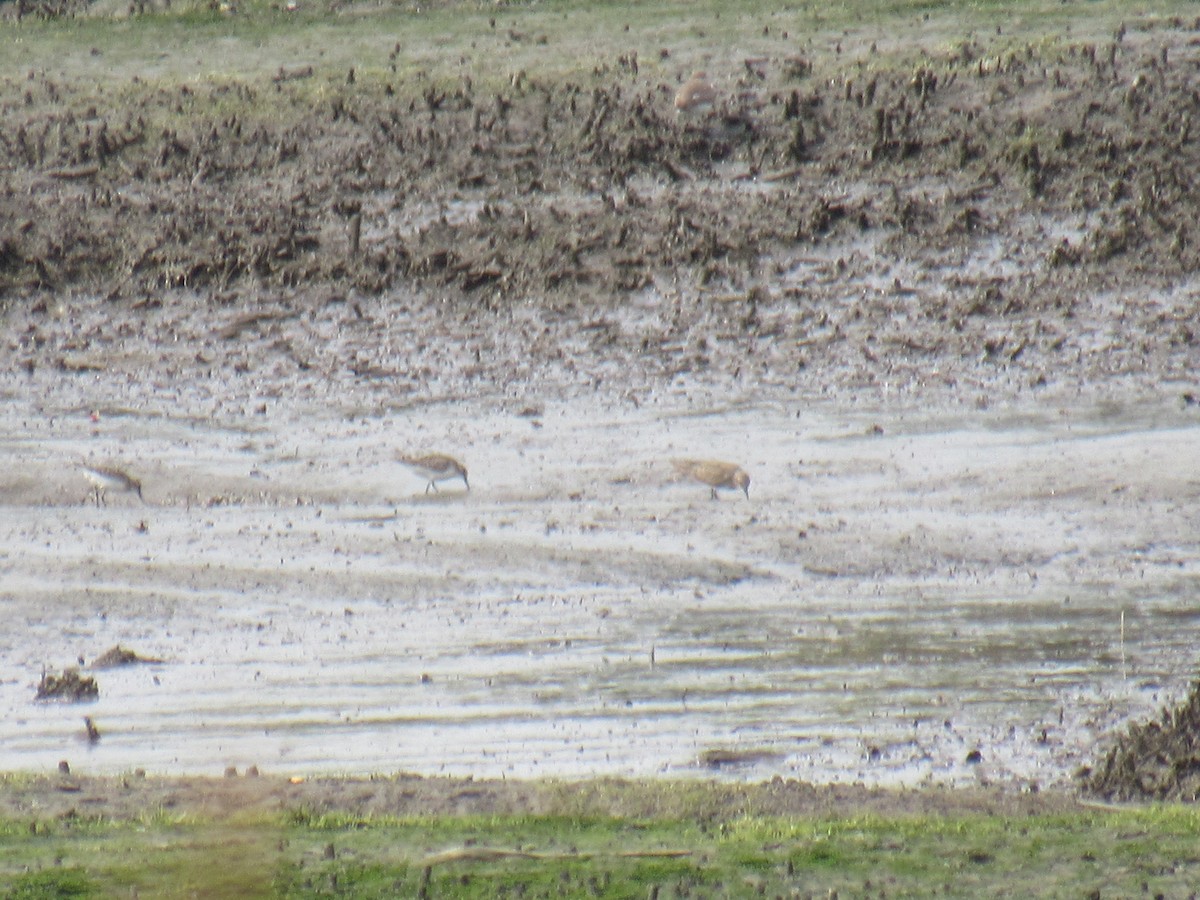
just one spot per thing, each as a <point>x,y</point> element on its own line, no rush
<point>70,687</point>
<point>1158,760</point>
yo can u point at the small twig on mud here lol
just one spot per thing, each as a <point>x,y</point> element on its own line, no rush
<point>75,172</point>
<point>1124,672</point>
<point>785,175</point>
<point>252,320</point>
<point>676,171</point>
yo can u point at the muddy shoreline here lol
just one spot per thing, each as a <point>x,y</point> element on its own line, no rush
<point>1002,223</point>
<point>239,795</point>
<point>944,315</point>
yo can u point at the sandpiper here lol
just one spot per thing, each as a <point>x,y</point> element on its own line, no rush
<point>107,478</point>
<point>436,467</point>
<point>696,97</point>
<point>715,474</point>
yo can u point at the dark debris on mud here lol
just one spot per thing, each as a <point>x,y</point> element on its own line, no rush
<point>70,687</point>
<point>1157,760</point>
<point>117,656</point>
<point>593,184</point>
<point>814,224</point>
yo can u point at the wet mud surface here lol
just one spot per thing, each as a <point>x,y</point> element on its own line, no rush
<point>943,317</point>
<point>880,607</point>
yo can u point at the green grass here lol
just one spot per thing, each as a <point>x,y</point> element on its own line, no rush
<point>305,854</point>
<point>552,39</point>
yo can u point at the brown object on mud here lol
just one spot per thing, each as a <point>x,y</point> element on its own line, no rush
<point>355,234</point>
<point>696,97</point>
<point>715,474</point>
<point>69,686</point>
<point>721,758</point>
<point>1159,760</point>
<point>119,656</point>
<point>87,171</point>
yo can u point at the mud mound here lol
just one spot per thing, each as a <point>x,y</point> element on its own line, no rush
<point>1156,761</point>
<point>70,687</point>
<point>117,656</point>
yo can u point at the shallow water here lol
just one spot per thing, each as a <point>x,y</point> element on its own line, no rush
<point>900,589</point>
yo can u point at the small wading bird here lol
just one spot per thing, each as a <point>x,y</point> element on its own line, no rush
<point>717,475</point>
<point>696,97</point>
<point>436,467</point>
<point>106,478</point>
